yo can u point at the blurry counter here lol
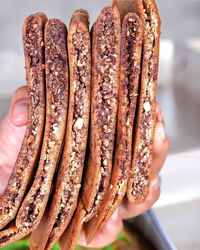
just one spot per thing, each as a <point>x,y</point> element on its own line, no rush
<point>179,204</point>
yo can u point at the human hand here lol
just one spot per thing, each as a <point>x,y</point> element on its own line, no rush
<point>12,129</point>
<point>126,210</point>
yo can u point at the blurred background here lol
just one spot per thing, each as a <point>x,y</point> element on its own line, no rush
<point>178,94</point>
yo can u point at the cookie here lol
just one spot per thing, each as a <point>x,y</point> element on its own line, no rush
<point>138,185</point>
<point>131,46</point>
<point>106,39</point>
<point>33,207</point>
<point>65,196</point>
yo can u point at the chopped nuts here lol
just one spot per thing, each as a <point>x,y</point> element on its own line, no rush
<point>147,106</point>
<point>35,26</point>
<point>105,127</point>
<point>99,197</point>
<point>46,168</point>
<point>51,144</point>
<point>78,124</point>
<point>31,139</point>
<point>105,162</point>
<point>106,142</point>
<point>128,122</point>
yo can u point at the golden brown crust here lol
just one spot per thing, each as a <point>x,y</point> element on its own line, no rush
<point>138,184</point>
<point>69,239</point>
<point>32,209</point>
<point>93,172</point>
<point>123,6</point>
<point>70,173</point>
<point>131,45</point>
<point>40,235</point>
<point>80,16</point>
<point>104,100</point>
<point>129,6</point>
<point>27,158</point>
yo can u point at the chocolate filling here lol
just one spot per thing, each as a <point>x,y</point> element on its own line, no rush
<point>141,172</point>
<point>106,101</point>
<point>129,87</point>
<point>56,66</point>
<point>33,48</point>
<point>6,238</point>
<point>80,53</point>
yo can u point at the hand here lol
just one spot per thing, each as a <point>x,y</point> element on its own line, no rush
<point>126,210</point>
<point>12,129</point>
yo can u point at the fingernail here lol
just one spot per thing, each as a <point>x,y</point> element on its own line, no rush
<point>159,113</point>
<point>156,188</point>
<point>155,183</point>
<point>160,131</point>
<point>19,113</point>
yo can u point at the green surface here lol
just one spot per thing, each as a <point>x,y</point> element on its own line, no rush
<point>122,237</point>
<point>56,247</point>
<point>19,245</point>
<point>24,245</point>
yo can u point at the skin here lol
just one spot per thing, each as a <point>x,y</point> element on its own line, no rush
<point>12,129</point>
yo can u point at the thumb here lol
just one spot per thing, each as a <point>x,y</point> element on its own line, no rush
<point>18,109</point>
<point>12,129</point>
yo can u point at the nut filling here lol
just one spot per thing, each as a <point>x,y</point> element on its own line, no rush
<point>56,66</point>
<point>80,52</point>
<point>107,95</point>
<point>131,40</point>
<point>140,177</point>
<point>33,47</point>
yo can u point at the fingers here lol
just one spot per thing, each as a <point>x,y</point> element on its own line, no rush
<point>107,234</point>
<point>12,127</point>
<point>18,108</point>
<point>161,143</point>
<point>129,210</point>
<point>161,147</point>
<point>12,131</point>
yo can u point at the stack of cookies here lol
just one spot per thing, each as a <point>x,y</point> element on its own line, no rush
<point>91,122</point>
